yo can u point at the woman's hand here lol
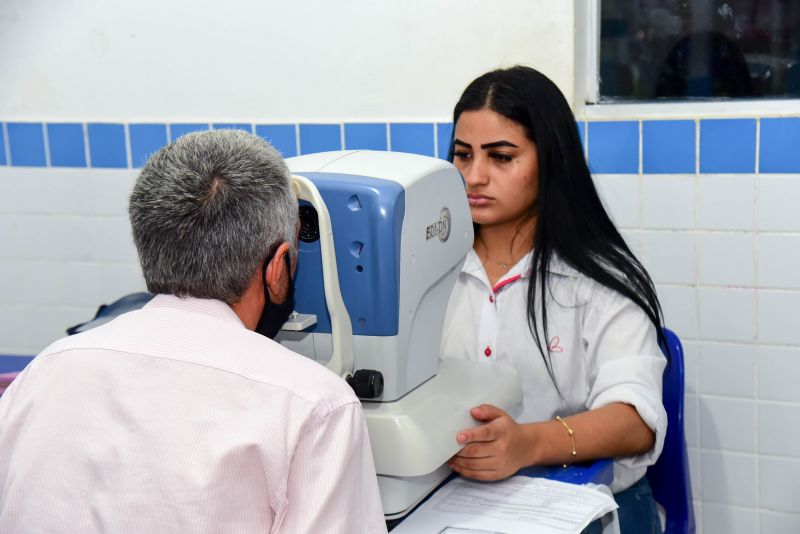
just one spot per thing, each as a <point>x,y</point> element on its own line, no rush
<point>494,450</point>
<point>500,446</point>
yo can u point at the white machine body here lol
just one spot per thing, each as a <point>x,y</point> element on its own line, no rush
<point>393,232</point>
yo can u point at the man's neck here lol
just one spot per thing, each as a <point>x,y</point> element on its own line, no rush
<point>250,306</point>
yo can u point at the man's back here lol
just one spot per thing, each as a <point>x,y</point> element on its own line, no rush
<point>175,418</point>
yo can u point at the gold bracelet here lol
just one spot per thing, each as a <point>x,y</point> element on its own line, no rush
<point>571,435</point>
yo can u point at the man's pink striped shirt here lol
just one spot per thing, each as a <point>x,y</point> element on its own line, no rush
<point>176,418</point>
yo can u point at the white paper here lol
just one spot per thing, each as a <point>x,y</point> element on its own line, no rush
<point>519,504</point>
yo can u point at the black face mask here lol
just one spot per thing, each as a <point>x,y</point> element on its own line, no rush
<point>275,315</point>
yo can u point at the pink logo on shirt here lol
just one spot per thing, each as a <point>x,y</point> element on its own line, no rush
<point>554,346</point>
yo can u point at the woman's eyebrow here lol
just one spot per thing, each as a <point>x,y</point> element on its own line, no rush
<point>458,141</point>
<point>499,143</point>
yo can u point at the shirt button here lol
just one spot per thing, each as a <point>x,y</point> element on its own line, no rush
<point>488,352</point>
<point>491,298</point>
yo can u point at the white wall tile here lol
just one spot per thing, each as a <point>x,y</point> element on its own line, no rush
<point>69,192</point>
<point>76,236</point>
<point>10,238</point>
<point>779,261</point>
<point>119,279</point>
<point>691,420</point>
<point>778,369</point>
<point>6,189</point>
<point>777,317</point>
<point>691,366</point>
<point>669,256</point>
<point>779,484</point>
<point>729,520</point>
<point>695,473</point>
<point>726,259</point>
<point>620,194</point>
<point>698,517</point>
<point>10,290</point>
<point>779,429</point>
<point>727,424</point>
<point>778,198</point>
<point>778,523</point>
<point>668,202</point>
<point>36,237</point>
<point>111,189</point>
<point>39,283</point>
<point>680,309</point>
<point>727,369</point>
<point>52,322</point>
<point>725,202</point>
<point>113,241</point>
<point>80,284</point>
<point>726,314</point>
<point>728,478</point>
<point>633,238</point>
<point>14,325</point>
<point>27,186</point>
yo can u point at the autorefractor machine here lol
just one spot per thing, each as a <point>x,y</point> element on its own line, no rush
<point>383,238</point>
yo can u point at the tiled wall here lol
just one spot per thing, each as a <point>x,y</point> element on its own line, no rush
<point>65,243</point>
<point>124,146</point>
<point>710,206</point>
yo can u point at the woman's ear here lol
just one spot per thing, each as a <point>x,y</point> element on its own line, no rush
<point>277,275</point>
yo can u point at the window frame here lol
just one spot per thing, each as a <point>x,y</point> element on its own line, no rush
<point>587,85</point>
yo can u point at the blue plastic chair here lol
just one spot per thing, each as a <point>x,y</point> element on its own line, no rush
<point>669,477</point>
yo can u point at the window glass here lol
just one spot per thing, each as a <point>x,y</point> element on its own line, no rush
<point>699,49</point>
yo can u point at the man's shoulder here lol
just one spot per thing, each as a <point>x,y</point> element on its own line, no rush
<point>222,347</point>
<point>293,371</point>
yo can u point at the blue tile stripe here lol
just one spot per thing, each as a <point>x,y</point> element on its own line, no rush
<point>444,136</point>
<point>178,129</point>
<point>108,145</point>
<point>365,136</point>
<point>667,146</point>
<point>614,147</point>
<point>727,146</point>
<point>67,144</point>
<point>146,139</point>
<point>412,137</point>
<point>779,149</point>
<point>233,126</point>
<point>320,138</point>
<point>26,144</point>
<point>3,144</point>
<point>282,136</point>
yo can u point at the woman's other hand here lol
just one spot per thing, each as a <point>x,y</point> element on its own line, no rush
<point>494,450</point>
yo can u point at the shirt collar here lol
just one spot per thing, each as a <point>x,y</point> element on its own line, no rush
<point>209,307</point>
<point>522,269</point>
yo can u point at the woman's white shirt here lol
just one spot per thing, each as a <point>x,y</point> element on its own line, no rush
<point>603,348</point>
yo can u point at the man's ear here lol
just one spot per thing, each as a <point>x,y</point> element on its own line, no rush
<point>277,279</point>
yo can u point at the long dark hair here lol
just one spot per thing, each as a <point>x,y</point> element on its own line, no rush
<point>570,218</point>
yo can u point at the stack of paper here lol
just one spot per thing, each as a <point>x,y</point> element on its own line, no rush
<point>516,505</point>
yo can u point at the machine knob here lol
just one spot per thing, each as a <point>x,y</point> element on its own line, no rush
<point>366,383</point>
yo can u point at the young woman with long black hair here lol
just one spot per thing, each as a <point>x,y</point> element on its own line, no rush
<point>551,288</point>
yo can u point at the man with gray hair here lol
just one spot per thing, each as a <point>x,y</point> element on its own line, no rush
<point>182,416</point>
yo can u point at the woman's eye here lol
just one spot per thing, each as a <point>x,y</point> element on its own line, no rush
<point>504,158</point>
<point>460,154</point>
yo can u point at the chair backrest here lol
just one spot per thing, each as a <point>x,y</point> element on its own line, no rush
<point>669,477</point>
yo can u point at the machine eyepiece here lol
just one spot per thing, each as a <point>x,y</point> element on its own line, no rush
<point>309,224</point>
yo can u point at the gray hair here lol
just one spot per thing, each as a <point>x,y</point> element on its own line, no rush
<point>207,209</point>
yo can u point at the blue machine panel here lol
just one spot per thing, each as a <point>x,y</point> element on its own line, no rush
<point>367,219</point>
